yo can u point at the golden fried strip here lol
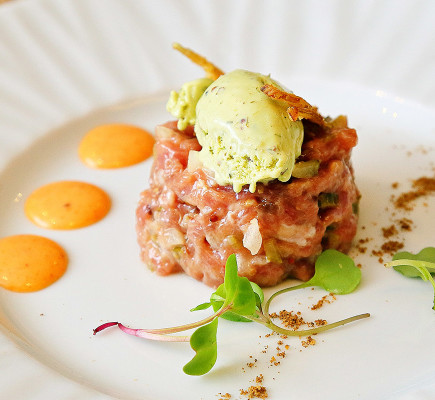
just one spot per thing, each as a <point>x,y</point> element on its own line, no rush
<point>298,107</point>
<point>211,70</point>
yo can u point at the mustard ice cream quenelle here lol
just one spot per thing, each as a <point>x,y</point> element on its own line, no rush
<point>246,136</point>
<point>182,104</point>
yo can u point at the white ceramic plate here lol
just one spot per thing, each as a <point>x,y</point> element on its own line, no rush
<point>68,66</point>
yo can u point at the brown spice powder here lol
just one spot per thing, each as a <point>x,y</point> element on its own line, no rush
<point>255,392</point>
<point>259,378</point>
<point>422,186</point>
<point>308,342</point>
<point>392,246</point>
<point>389,231</point>
<point>395,242</point>
<point>323,300</point>
<point>289,319</point>
<point>273,361</point>
<point>405,224</point>
<point>360,246</point>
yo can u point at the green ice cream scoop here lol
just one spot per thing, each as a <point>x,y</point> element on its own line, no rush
<point>246,136</point>
<point>182,104</point>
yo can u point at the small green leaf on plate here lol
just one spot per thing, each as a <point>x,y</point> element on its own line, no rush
<point>420,265</point>
<point>237,291</point>
<point>335,272</point>
<point>202,306</point>
<point>203,341</point>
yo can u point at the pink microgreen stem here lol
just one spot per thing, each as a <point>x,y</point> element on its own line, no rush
<point>104,326</point>
<point>163,334</point>
<point>143,333</point>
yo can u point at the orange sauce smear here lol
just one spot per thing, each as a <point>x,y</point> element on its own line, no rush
<point>29,263</point>
<point>115,146</point>
<point>67,205</point>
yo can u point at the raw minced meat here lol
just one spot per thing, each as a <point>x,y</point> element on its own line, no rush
<point>187,222</point>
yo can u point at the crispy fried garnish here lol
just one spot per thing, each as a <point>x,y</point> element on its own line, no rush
<point>298,107</point>
<point>211,70</point>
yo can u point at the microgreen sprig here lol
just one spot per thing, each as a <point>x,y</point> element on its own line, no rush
<point>420,265</point>
<point>239,300</point>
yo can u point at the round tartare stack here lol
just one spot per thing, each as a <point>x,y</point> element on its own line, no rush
<point>187,222</point>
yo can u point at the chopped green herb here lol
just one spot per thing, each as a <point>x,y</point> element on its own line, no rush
<point>306,169</point>
<point>271,250</point>
<point>355,207</point>
<point>327,200</point>
<point>240,300</point>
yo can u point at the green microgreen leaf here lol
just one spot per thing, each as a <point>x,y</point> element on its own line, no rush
<point>243,301</point>
<point>335,272</point>
<point>236,290</point>
<point>413,268</point>
<point>202,306</point>
<point>204,342</point>
<point>420,265</point>
<point>259,295</point>
<point>218,301</point>
<point>427,254</point>
<point>231,277</point>
<point>230,316</point>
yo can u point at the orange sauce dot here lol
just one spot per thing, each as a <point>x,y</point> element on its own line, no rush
<point>67,205</point>
<point>115,146</point>
<point>29,263</point>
